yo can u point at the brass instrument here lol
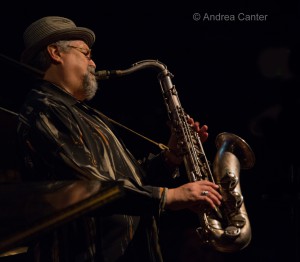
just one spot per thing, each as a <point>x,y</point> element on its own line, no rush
<point>226,229</point>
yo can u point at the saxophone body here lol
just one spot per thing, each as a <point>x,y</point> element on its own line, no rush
<point>231,232</point>
<point>226,229</point>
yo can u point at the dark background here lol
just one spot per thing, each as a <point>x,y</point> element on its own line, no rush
<point>234,76</point>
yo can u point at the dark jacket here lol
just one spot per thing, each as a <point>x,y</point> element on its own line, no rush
<point>62,138</point>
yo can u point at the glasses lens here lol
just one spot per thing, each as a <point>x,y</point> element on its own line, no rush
<point>86,52</point>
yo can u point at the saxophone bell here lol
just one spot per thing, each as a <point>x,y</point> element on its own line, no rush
<point>233,231</point>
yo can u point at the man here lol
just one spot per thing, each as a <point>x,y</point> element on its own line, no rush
<point>62,138</point>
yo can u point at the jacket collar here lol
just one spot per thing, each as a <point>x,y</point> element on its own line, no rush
<point>58,92</point>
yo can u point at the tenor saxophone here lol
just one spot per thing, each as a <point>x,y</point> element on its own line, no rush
<point>227,228</point>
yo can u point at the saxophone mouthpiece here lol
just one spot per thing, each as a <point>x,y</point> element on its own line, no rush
<point>102,74</point>
<point>106,74</point>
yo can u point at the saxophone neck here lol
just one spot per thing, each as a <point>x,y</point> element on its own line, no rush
<point>108,74</point>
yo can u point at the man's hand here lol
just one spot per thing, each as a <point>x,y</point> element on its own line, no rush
<point>194,196</point>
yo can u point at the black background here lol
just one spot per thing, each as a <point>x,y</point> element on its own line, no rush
<point>233,76</point>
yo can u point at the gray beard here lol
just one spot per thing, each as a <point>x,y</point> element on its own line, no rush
<point>90,85</point>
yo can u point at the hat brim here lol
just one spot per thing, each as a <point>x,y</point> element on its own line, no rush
<point>78,33</point>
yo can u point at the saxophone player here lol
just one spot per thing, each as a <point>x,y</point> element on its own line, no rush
<point>61,138</point>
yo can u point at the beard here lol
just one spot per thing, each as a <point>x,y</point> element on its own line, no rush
<point>90,85</point>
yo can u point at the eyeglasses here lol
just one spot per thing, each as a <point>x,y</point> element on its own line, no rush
<point>86,52</point>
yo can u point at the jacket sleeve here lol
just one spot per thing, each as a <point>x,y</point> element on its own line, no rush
<point>159,173</point>
<point>54,148</point>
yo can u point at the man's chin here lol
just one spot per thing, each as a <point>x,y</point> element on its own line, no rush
<point>91,92</point>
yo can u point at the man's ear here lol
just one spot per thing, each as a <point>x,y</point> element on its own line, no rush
<point>54,52</point>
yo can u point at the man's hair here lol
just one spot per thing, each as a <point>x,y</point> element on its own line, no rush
<point>42,59</point>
